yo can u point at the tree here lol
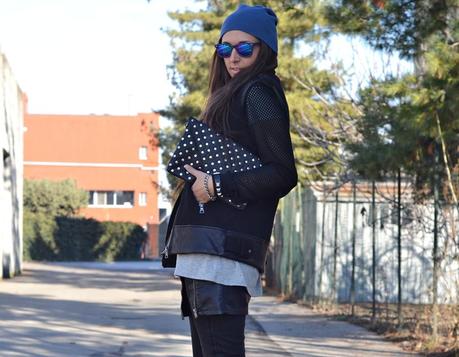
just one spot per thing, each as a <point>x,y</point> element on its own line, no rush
<point>417,108</point>
<point>309,90</point>
<point>413,120</point>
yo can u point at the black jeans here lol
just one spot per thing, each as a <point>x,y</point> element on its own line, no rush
<point>218,335</point>
<point>217,330</point>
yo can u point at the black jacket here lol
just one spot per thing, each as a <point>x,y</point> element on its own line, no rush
<point>260,122</point>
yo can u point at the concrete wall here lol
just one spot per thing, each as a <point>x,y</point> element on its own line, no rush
<point>11,172</point>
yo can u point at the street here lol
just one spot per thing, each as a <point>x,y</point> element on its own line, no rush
<point>132,309</point>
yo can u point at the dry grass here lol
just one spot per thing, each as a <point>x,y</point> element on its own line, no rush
<point>413,332</point>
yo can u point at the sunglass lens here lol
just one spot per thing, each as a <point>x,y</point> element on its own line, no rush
<point>224,49</point>
<point>245,49</point>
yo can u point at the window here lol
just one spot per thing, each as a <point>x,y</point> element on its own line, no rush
<point>91,197</point>
<point>101,198</point>
<point>111,198</point>
<point>124,198</point>
<point>143,153</point>
<point>142,198</point>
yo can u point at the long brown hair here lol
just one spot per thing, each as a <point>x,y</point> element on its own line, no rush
<point>222,87</point>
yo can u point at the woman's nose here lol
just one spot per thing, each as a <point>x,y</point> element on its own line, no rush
<point>234,56</point>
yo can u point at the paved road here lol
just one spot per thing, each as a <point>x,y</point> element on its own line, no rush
<point>131,309</point>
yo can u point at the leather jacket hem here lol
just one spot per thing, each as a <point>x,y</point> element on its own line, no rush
<point>217,241</point>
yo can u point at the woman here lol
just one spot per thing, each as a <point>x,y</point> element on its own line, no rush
<point>220,254</point>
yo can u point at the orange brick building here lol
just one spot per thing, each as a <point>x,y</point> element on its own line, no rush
<point>109,156</point>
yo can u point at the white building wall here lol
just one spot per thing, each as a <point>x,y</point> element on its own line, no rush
<point>11,171</point>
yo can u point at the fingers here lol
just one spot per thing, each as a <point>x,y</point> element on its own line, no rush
<point>191,170</point>
<point>199,193</point>
<point>198,186</point>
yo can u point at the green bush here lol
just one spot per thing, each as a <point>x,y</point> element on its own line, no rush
<point>76,238</point>
<point>120,241</point>
<point>55,198</point>
<point>53,232</point>
<point>80,239</point>
<point>38,233</point>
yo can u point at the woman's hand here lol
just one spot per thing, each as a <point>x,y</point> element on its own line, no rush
<point>198,187</point>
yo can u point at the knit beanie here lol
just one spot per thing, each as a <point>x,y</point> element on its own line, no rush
<point>259,21</point>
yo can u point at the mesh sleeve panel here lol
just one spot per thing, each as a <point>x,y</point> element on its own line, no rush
<point>269,128</point>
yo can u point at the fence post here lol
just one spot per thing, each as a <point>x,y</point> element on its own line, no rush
<point>335,246</point>
<point>373,247</point>
<point>322,243</point>
<point>399,246</point>
<point>354,225</point>
<point>277,251</point>
<point>435,248</point>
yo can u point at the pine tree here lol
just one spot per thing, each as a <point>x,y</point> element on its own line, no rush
<point>303,82</point>
<point>411,123</point>
<point>407,112</point>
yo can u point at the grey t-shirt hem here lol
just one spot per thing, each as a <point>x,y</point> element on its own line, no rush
<point>219,270</point>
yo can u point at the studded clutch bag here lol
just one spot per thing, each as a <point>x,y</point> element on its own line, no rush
<point>210,152</point>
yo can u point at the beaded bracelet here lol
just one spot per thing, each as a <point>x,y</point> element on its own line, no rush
<point>206,187</point>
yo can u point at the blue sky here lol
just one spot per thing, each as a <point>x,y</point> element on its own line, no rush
<point>110,56</point>
<point>90,56</point>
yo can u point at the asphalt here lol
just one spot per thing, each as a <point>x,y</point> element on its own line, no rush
<point>132,309</point>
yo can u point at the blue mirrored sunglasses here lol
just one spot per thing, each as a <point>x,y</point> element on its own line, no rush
<point>244,49</point>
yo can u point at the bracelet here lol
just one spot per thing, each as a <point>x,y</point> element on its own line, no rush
<point>206,187</point>
<point>217,184</point>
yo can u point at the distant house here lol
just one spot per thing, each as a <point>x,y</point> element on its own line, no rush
<point>111,157</point>
<point>11,173</point>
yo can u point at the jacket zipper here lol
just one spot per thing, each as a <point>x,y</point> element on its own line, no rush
<point>165,252</point>
<point>195,310</point>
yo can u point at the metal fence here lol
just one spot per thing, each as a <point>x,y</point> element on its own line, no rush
<point>335,244</point>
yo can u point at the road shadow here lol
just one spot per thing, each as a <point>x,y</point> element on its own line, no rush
<point>53,310</point>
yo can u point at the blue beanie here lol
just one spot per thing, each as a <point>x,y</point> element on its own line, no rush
<point>259,21</point>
